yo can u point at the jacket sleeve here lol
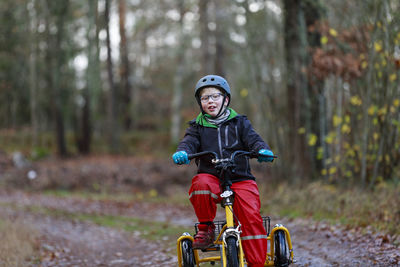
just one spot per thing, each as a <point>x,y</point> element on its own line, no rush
<point>191,141</point>
<point>251,138</point>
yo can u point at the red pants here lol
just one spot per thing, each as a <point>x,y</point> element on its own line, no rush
<point>205,194</point>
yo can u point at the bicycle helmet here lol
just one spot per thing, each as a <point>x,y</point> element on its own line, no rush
<point>212,81</point>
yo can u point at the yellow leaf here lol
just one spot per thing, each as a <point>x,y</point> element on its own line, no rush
<point>320,153</point>
<point>346,145</point>
<point>356,100</point>
<point>244,93</point>
<point>351,153</point>
<point>346,129</point>
<point>371,110</point>
<point>396,102</point>
<point>329,139</point>
<point>362,56</point>
<point>301,130</point>
<point>336,120</point>
<point>392,77</point>
<point>387,158</point>
<point>347,119</point>
<point>380,74</point>
<point>153,193</point>
<point>332,170</point>
<point>364,64</point>
<point>379,24</point>
<point>382,111</point>
<point>312,139</point>
<point>383,63</point>
<point>375,136</point>
<point>324,40</point>
<point>378,46</point>
<point>333,32</point>
<point>324,172</point>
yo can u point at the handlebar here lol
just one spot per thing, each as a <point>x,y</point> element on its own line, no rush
<point>235,154</point>
<point>202,154</point>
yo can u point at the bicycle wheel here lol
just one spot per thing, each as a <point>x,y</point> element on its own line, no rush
<point>232,252</point>
<point>187,254</point>
<point>281,250</point>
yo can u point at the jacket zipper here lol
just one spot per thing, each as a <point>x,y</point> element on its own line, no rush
<point>220,142</point>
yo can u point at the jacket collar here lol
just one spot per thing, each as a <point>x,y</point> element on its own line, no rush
<point>201,120</point>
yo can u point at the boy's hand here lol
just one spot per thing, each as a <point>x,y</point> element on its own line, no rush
<point>180,157</point>
<point>265,155</point>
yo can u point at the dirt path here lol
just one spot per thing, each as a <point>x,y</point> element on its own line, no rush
<point>67,242</point>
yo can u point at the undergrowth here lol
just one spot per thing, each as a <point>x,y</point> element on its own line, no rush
<point>17,244</point>
<point>378,209</point>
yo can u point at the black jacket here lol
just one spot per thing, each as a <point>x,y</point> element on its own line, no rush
<point>234,134</point>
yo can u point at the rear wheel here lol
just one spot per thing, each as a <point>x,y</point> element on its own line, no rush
<point>281,250</point>
<point>232,252</point>
<point>187,254</point>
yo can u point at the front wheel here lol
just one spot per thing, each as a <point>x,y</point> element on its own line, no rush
<point>281,250</point>
<point>232,252</point>
<point>187,254</point>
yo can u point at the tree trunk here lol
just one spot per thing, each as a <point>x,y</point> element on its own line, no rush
<point>33,75</point>
<point>206,57</point>
<point>54,60</point>
<point>112,102</point>
<point>124,68</point>
<point>295,79</point>
<point>84,140</point>
<point>177,90</point>
<point>219,38</point>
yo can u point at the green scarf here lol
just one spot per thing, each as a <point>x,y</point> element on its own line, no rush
<point>202,119</point>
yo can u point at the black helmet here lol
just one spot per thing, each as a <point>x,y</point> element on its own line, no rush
<point>212,81</point>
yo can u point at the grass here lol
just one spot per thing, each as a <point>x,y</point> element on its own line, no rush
<point>150,196</point>
<point>148,229</point>
<point>377,209</point>
<point>17,244</point>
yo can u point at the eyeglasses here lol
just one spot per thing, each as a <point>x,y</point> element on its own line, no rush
<point>214,97</point>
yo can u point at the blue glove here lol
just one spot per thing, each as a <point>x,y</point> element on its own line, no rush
<point>180,157</point>
<point>265,155</point>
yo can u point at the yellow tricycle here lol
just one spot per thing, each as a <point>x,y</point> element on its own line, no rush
<point>227,236</point>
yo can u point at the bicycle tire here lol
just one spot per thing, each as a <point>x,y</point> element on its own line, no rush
<point>281,250</point>
<point>232,252</point>
<point>187,254</point>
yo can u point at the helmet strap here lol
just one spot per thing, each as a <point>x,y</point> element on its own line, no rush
<point>223,108</point>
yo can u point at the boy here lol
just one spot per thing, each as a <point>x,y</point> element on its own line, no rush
<point>220,129</point>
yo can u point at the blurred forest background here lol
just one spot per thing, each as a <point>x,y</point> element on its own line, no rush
<point>318,79</point>
<point>96,94</point>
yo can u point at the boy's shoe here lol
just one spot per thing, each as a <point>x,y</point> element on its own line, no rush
<point>204,237</point>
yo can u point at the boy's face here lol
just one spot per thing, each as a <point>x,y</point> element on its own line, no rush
<point>211,100</point>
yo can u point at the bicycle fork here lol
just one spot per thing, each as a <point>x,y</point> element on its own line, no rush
<point>230,229</point>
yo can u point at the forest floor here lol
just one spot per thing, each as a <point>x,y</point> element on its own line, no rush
<point>139,227</point>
